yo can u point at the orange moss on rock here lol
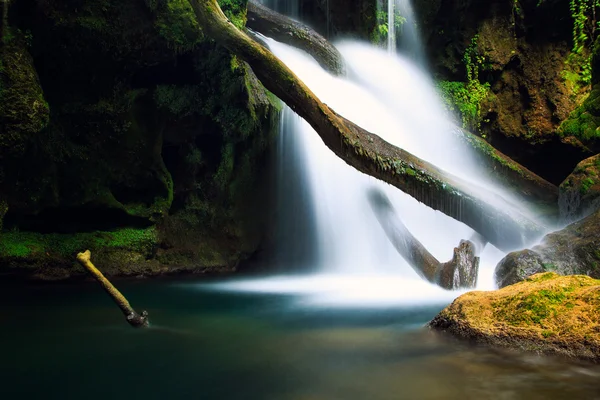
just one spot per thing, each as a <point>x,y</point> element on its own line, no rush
<point>546,313</point>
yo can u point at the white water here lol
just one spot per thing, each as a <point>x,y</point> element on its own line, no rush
<point>391,39</point>
<point>325,221</point>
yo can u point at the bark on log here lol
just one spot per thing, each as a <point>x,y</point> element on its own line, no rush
<point>294,33</point>
<point>136,320</point>
<point>460,272</point>
<point>368,153</point>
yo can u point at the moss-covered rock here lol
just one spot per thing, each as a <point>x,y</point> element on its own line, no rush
<point>523,54</point>
<point>152,126</point>
<point>546,313</point>
<point>23,109</point>
<point>580,192</point>
<point>572,250</point>
<point>582,128</point>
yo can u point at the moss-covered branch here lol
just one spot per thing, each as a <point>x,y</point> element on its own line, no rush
<point>368,153</point>
<point>294,33</point>
<point>133,318</point>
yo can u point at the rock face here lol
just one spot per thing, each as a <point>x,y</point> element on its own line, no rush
<point>573,250</point>
<point>527,82</point>
<point>152,150</point>
<point>579,194</point>
<point>546,313</point>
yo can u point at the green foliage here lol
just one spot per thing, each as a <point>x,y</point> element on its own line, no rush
<point>235,10</point>
<point>466,98</point>
<point>578,71</point>
<point>381,31</point>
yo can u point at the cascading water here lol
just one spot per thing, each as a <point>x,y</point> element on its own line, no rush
<point>391,39</point>
<point>325,221</point>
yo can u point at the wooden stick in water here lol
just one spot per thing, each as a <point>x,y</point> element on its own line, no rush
<point>136,320</point>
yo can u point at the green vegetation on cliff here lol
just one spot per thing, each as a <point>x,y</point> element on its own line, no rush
<point>152,128</point>
<point>466,98</point>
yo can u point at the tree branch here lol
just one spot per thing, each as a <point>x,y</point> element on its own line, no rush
<point>460,272</point>
<point>133,318</point>
<point>294,33</point>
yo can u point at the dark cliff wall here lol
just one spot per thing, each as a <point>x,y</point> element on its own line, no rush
<point>124,130</point>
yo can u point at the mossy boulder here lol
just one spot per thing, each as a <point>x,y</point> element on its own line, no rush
<point>546,313</point>
<point>152,127</point>
<point>572,250</point>
<point>579,194</point>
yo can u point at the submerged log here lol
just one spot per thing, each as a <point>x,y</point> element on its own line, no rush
<point>136,320</point>
<point>504,227</point>
<point>294,33</point>
<point>460,272</point>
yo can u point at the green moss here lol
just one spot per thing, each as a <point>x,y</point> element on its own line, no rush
<point>584,121</point>
<point>535,307</point>
<point>23,109</point>
<point>586,184</point>
<point>31,245</point>
<point>176,23</point>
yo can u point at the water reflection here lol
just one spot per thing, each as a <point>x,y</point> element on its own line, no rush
<point>223,345</point>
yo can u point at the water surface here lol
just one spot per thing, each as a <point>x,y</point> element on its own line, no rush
<point>223,341</point>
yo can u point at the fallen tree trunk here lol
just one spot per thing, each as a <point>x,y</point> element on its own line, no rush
<point>136,320</point>
<point>521,180</point>
<point>460,272</point>
<point>294,33</point>
<point>504,227</point>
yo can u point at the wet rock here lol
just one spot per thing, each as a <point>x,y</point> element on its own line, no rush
<point>579,194</point>
<point>546,313</point>
<point>572,250</point>
<point>517,267</point>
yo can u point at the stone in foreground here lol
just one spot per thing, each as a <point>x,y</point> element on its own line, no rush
<point>546,313</point>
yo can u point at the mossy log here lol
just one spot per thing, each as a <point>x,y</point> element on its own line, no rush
<point>521,180</point>
<point>367,152</point>
<point>460,272</point>
<point>294,33</point>
<point>133,318</point>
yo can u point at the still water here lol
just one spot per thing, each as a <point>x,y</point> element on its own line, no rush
<point>209,341</point>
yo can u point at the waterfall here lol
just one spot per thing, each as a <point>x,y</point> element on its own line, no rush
<point>403,32</point>
<point>325,223</point>
<point>391,37</point>
<point>392,97</point>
